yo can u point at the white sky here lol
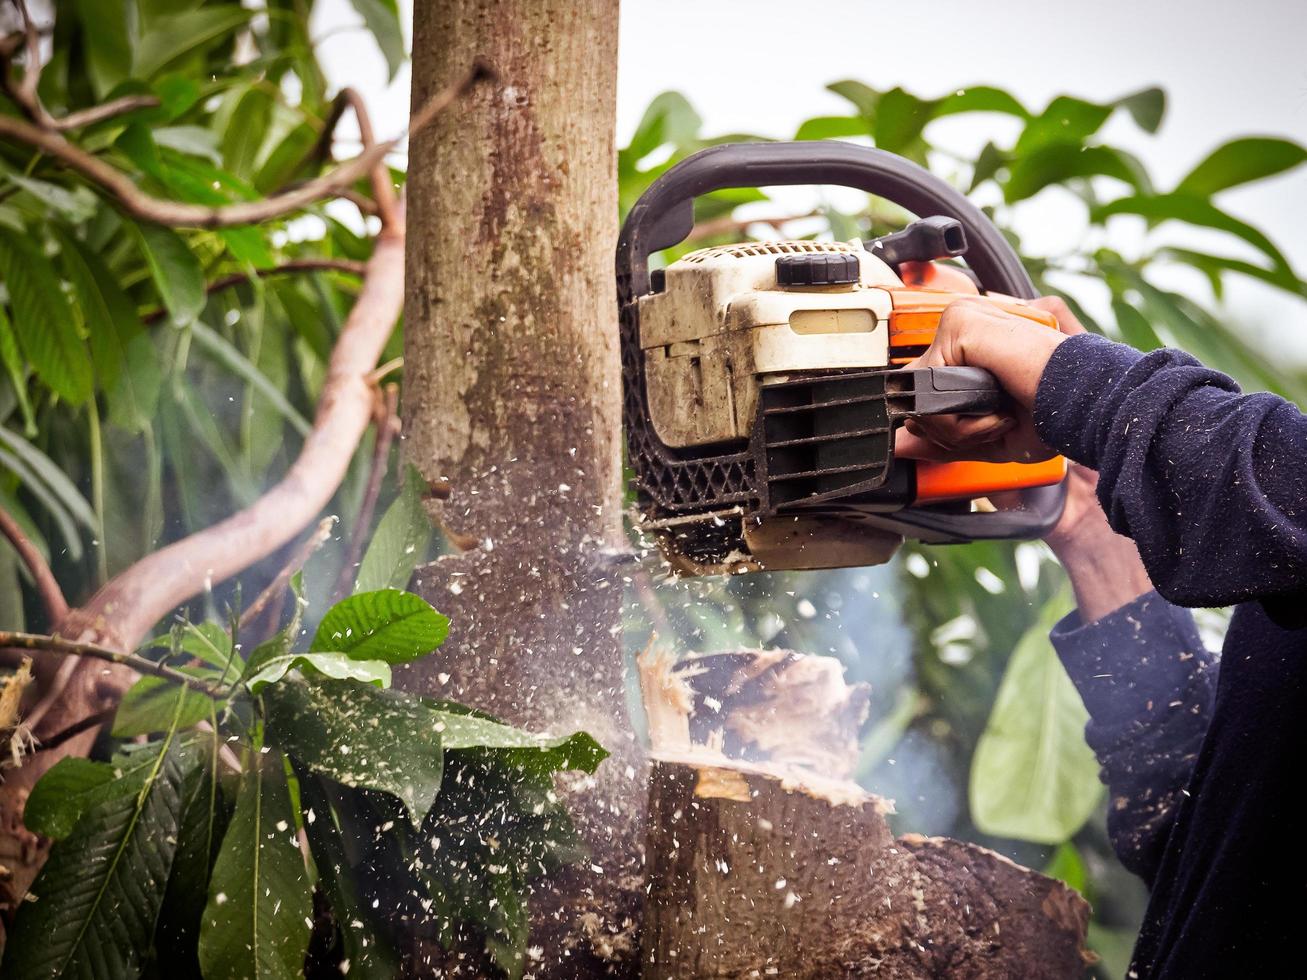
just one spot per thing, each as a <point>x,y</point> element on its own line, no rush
<point>761,66</point>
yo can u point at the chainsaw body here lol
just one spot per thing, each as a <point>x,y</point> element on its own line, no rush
<point>763,381</point>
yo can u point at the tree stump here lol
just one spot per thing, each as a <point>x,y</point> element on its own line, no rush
<point>762,867</point>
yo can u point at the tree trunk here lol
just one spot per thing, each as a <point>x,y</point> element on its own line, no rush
<point>777,865</point>
<point>512,394</point>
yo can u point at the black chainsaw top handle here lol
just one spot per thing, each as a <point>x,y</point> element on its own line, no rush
<point>664,214</point>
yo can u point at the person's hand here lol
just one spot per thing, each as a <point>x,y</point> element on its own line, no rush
<point>976,333</point>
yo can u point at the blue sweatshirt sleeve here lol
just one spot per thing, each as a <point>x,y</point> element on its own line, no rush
<point>1148,684</point>
<point>1209,482</point>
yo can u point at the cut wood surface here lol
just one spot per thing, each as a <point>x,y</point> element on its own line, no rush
<point>763,867</point>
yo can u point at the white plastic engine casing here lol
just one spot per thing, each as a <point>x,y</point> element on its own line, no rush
<point>721,322</point>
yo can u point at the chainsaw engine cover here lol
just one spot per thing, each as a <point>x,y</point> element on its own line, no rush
<point>763,382</point>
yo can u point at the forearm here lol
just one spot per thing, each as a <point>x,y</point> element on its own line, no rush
<point>1104,567</point>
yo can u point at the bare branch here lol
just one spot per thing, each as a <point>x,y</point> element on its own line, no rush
<point>278,584</point>
<point>286,268</point>
<point>106,110</point>
<point>387,429</point>
<point>729,224</point>
<point>52,597</point>
<point>40,643</point>
<point>383,189</point>
<point>145,207</point>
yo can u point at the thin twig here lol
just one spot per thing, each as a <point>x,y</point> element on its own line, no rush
<point>387,426</point>
<point>52,597</point>
<point>383,189</point>
<point>69,648</point>
<point>145,207</point>
<point>348,266</point>
<point>278,584</point>
<point>106,110</point>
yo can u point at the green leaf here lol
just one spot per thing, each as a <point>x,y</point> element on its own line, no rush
<point>1067,866</point>
<point>1146,107</point>
<point>669,119</point>
<point>832,127</point>
<point>223,353</point>
<point>151,703</point>
<point>77,205</point>
<point>176,271</point>
<point>1195,211</point>
<point>1032,776</point>
<point>39,472</point>
<point>124,355</point>
<point>43,320</point>
<point>1056,163</point>
<point>370,954</point>
<point>900,118</point>
<point>285,159</point>
<point>16,368</point>
<point>382,20</point>
<point>246,131</point>
<point>541,754</point>
<point>1214,265</point>
<point>172,37</point>
<point>1242,161</point>
<point>203,823</point>
<point>362,737</point>
<point>61,796</point>
<point>980,98</point>
<point>863,96</point>
<point>256,923</point>
<point>338,665</point>
<point>400,541</point>
<point>108,43</point>
<point>99,894</point>
<point>197,141</point>
<point>1134,326</point>
<point>384,625</point>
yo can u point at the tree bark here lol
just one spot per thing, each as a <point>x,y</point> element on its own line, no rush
<point>768,868</point>
<point>512,395</point>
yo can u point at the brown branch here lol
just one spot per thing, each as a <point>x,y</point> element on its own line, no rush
<point>387,426</point>
<point>279,582</point>
<point>52,597</point>
<point>294,265</point>
<point>383,189</point>
<point>69,648</point>
<point>106,110</point>
<point>142,594</point>
<point>145,207</point>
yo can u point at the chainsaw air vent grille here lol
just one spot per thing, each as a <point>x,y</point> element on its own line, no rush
<point>752,249</point>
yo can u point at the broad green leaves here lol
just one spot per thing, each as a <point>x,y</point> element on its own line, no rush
<point>336,665</point>
<point>151,703</point>
<point>382,19</point>
<point>361,737</point>
<point>400,541</point>
<point>256,923</point>
<point>42,319</point>
<point>386,625</point>
<point>176,271</point>
<point>98,896</point>
<point>1240,162</point>
<point>1032,776</point>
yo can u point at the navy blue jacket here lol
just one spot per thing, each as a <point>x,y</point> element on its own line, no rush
<point>1203,765</point>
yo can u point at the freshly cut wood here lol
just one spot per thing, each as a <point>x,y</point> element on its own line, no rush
<point>762,867</point>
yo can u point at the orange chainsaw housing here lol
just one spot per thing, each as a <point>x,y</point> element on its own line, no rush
<point>929,288</point>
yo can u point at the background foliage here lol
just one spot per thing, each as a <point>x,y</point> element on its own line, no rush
<point>153,381</point>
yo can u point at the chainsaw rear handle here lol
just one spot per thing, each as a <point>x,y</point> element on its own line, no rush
<point>664,216</point>
<point>913,392</point>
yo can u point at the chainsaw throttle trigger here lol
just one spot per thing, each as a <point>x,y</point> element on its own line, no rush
<point>942,391</point>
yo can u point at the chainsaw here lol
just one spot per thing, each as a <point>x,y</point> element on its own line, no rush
<point>763,381</point>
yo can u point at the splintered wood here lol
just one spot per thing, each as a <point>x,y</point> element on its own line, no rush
<point>765,860</point>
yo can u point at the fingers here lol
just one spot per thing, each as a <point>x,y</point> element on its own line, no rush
<point>949,437</point>
<point>1067,322</point>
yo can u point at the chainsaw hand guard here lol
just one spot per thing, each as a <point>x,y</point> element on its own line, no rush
<point>807,442</point>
